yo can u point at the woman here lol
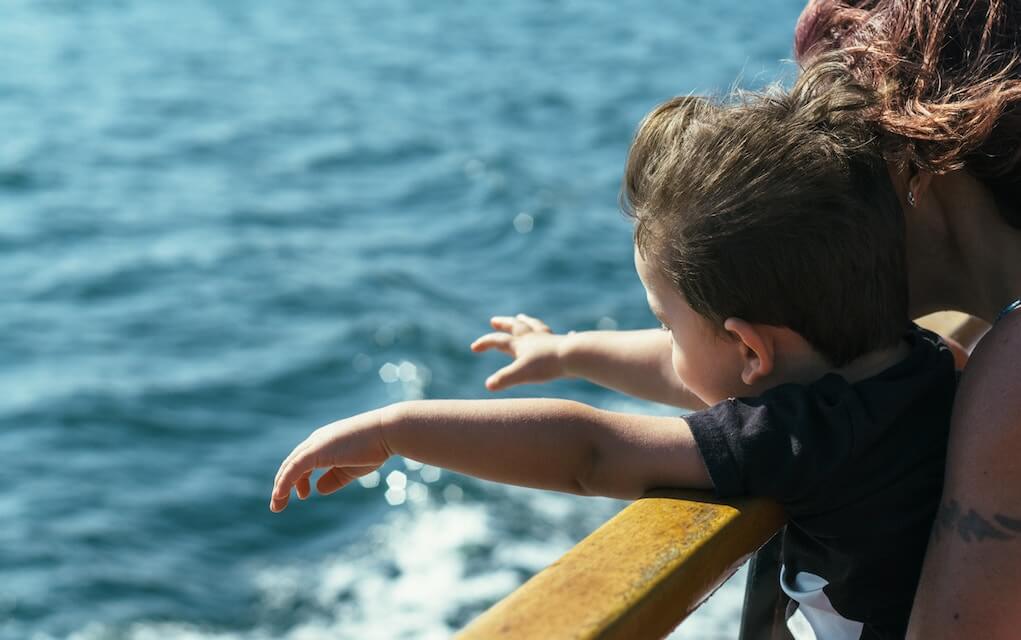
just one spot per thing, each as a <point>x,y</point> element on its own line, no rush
<point>949,77</point>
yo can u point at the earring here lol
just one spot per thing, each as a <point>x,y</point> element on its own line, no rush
<point>911,199</point>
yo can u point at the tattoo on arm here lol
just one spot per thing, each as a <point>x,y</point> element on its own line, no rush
<point>971,525</point>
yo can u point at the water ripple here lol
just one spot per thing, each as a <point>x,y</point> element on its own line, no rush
<point>224,224</point>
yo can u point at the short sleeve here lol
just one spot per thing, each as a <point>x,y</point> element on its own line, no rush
<point>781,445</point>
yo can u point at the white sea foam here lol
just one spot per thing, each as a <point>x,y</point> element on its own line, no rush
<point>415,575</point>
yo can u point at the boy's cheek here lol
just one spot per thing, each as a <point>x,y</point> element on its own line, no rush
<point>693,380</point>
<point>713,379</point>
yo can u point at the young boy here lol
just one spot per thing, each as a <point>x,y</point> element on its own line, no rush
<point>770,243</point>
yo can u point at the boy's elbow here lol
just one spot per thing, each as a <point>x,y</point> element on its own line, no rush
<point>595,479</point>
<point>600,470</point>
<point>584,483</point>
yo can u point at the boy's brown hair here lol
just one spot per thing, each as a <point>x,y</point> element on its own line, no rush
<point>776,208</point>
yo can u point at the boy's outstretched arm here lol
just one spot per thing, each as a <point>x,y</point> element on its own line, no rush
<point>547,444</point>
<point>637,363</point>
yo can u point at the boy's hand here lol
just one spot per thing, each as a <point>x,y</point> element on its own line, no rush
<point>530,342</point>
<point>348,449</point>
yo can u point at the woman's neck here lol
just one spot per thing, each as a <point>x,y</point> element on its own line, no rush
<point>964,255</point>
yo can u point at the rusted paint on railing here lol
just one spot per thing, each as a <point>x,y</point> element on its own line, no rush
<point>638,575</point>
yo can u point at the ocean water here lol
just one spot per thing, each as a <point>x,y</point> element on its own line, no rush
<point>223,224</point>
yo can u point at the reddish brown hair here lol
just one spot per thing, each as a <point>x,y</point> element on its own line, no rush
<point>948,78</point>
<point>776,208</point>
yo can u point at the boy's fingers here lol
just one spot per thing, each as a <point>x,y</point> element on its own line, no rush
<point>534,324</point>
<point>286,462</point>
<point>302,486</point>
<point>502,323</point>
<point>337,477</point>
<point>290,473</point>
<point>506,377</point>
<point>277,505</point>
<point>334,479</point>
<point>278,499</point>
<point>328,482</point>
<point>298,450</point>
<point>501,341</point>
<point>296,466</point>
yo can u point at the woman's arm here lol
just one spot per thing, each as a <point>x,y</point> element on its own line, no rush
<point>971,581</point>
<point>547,444</point>
<point>637,363</point>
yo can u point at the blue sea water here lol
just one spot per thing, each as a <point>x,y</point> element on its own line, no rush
<point>223,224</point>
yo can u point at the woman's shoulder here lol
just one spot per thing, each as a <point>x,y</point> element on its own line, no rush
<point>990,391</point>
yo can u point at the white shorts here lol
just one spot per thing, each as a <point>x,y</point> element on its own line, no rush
<point>810,616</point>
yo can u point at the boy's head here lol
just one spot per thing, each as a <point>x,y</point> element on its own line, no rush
<point>776,210</point>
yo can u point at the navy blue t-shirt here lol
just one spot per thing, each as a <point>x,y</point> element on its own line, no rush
<point>858,468</point>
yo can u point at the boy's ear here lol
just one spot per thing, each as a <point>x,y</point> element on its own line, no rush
<point>757,349</point>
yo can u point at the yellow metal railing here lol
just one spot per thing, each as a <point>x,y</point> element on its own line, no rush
<point>638,575</point>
